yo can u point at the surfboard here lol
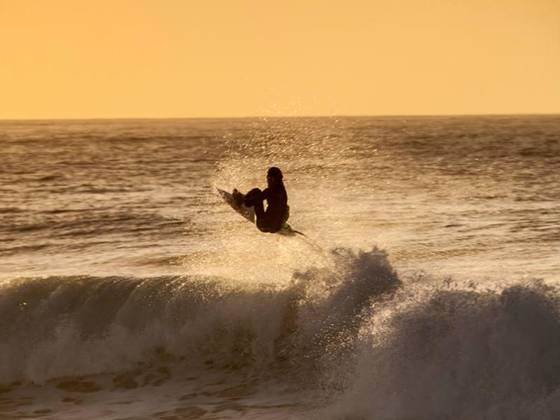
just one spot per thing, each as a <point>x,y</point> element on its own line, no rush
<point>236,203</point>
<point>247,212</point>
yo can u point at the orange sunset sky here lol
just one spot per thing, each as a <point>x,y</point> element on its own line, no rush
<point>221,58</point>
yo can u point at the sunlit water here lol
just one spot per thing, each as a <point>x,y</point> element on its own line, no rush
<point>425,288</point>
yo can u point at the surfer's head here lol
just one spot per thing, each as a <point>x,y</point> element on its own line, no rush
<point>274,175</point>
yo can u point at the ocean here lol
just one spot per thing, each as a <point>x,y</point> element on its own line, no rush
<point>426,287</point>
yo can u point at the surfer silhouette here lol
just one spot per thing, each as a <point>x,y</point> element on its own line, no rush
<point>277,211</point>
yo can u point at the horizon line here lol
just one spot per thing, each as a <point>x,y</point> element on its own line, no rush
<point>264,117</point>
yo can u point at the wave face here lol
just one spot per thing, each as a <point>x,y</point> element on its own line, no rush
<point>70,326</point>
<point>462,355</point>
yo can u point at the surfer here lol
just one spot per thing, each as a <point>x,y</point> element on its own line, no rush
<point>277,211</point>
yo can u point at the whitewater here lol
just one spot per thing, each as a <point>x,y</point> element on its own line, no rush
<point>427,287</point>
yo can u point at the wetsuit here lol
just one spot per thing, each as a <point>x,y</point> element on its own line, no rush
<point>277,211</point>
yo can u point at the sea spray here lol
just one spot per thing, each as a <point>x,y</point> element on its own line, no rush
<point>441,354</point>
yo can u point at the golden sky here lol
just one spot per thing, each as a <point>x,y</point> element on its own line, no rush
<point>214,58</point>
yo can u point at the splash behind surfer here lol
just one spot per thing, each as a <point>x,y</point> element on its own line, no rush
<point>277,211</point>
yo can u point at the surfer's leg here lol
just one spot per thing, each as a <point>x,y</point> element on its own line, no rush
<point>237,197</point>
<point>254,199</point>
<point>269,223</point>
<point>262,220</point>
<point>272,223</point>
<point>259,210</point>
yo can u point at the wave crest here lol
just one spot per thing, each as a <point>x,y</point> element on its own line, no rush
<point>68,326</point>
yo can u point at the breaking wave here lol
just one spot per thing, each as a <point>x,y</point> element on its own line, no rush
<point>70,326</point>
<point>444,354</point>
<point>348,329</point>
